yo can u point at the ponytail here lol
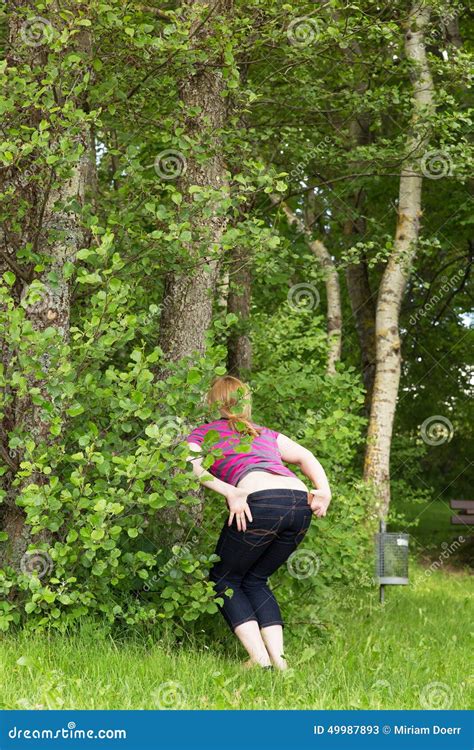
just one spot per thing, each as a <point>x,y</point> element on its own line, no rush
<point>239,423</point>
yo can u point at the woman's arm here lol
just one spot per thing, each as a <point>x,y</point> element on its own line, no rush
<point>236,498</point>
<point>204,476</point>
<point>294,453</point>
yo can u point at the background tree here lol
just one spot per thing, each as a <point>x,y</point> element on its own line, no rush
<point>201,172</point>
<point>397,271</point>
<point>44,185</point>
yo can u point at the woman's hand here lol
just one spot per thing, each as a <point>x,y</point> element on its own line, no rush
<point>238,507</point>
<point>319,501</point>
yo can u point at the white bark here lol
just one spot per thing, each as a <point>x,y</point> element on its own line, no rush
<point>397,271</point>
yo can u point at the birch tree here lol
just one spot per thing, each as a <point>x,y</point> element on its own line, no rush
<point>397,271</point>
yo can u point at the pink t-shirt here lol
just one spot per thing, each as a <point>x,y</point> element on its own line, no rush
<point>264,454</point>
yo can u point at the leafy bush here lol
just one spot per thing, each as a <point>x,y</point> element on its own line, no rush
<point>110,501</point>
<point>110,496</point>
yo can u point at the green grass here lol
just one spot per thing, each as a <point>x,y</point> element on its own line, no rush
<point>411,653</point>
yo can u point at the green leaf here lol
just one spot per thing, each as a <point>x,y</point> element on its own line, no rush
<point>100,504</point>
<point>194,376</point>
<point>75,410</point>
<point>152,430</point>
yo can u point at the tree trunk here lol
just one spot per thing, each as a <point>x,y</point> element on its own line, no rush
<point>357,278</point>
<point>52,226</point>
<point>188,295</point>
<point>453,34</point>
<point>334,307</point>
<point>239,348</point>
<point>397,271</point>
<point>357,274</point>
<point>333,291</point>
<point>363,310</point>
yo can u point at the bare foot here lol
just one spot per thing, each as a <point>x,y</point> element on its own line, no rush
<point>250,663</point>
<point>280,663</point>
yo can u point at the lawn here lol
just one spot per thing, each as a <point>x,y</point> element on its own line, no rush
<point>411,653</point>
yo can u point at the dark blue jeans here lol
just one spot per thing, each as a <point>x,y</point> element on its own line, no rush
<point>281,518</point>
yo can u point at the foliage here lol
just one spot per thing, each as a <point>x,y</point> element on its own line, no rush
<point>100,493</point>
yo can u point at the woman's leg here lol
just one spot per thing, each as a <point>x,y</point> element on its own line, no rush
<point>255,586</point>
<point>236,556</point>
<point>255,583</point>
<point>272,636</point>
<point>247,559</point>
<point>251,639</point>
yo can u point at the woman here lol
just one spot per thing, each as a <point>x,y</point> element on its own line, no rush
<point>269,513</point>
